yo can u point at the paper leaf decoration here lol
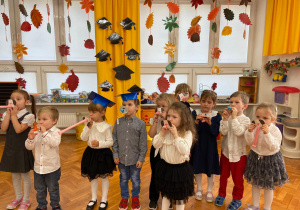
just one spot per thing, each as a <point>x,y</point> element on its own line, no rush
<point>64,86</point>
<point>193,29</point>
<point>244,34</point>
<point>163,84</point>
<point>63,68</point>
<point>149,2</point>
<point>72,81</point>
<point>214,86</point>
<point>23,10</point>
<point>227,30</point>
<point>49,28</point>
<point>69,21</point>
<point>26,26</point>
<point>195,20</point>
<point>172,78</point>
<point>195,3</point>
<point>195,37</point>
<point>229,15</point>
<point>149,21</point>
<point>245,2</point>
<point>215,53</point>
<point>87,5</point>
<point>21,82</point>
<point>36,17</point>
<point>171,66</point>
<point>48,9</point>
<point>19,68</point>
<point>69,3</point>
<point>89,44</point>
<point>244,18</point>
<point>170,49</point>
<point>214,27</point>
<point>170,23</point>
<point>174,8</point>
<point>88,25</point>
<point>150,40</point>
<point>64,50</point>
<point>213,14</point>
<point>5,19</point>
<point>20,49</point>
<point>215,70</point>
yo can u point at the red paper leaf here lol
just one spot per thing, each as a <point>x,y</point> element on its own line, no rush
<point>36,17</point>
<point>163,84</point>
<point>196,3</point>
<point>174,8</point>
<point>213,14</point>
<point>64,50</point>
<point>26,26</point>
<point>5,19</point>
<point>21,82</point>
<point>244,18</point>
<point>214,86</point>
<point>193,29</point>
<point>72,81</point>
<point>149,2</point>
<point>48,9</point>
<point>89,44</point>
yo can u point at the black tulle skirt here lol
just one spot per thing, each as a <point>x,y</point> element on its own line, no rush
<point>97,163</point>
<point>265,172</point>
<point>175,181</point>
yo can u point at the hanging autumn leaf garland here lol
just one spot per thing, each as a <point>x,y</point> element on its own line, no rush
<point>69,3</point>
<point>244,18</point>
<point>212,17</point>
<point>229,15</point>
<point>5,19</point>
<point>149,21</point>
<point>48,13</point>
<point>25,26</point>
<point>36,17</point>
<point>88,6</point>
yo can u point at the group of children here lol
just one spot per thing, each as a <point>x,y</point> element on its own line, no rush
<point>184,147</point>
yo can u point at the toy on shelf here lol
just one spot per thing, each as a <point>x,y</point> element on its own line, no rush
<point>154,96</point>
<point>196,98</point>
<point>56,95</point>
<point>82,97</point>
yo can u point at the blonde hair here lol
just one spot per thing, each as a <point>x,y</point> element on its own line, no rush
<point>209,94</point>
<point>169,98</point>
<point>183,87</point>
<point>244,96</point>
<point>271,108</point>
<point>28,97</point>
<point>54,114</point>
<point>95,107</point>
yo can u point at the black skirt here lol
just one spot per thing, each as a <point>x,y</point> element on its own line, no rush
<point>175,181</point>
<point>97,163</point>
<point>265,172</point>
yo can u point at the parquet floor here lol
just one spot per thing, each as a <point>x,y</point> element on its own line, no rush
<point>75,190</point>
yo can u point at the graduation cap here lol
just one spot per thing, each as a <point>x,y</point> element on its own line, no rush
<point>128,96</point>
<point>104,23</point>
<point>106,86</point>
<point>96,98</point>
<point>131,54</point>
<point>127,24</point>
<point>123,72</point>
<point>115,38</point>
<point>102,55</point>
<point>135,88</point>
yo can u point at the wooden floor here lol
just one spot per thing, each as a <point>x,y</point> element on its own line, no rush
<point>75,190</point>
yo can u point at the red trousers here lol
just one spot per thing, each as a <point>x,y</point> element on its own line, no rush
<point>237,171</point>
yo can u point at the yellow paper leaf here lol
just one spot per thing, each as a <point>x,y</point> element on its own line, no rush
<point>227,30</point>
<point>195,20</point>
<point>63,68</point>
<point>170,49</point>
<point>149,21</point>
<point>20,49</point>
<point>64,86</point>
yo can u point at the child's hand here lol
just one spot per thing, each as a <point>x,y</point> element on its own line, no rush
<point>90,123</point>
<point>14,111</point>
<point>173,131</point>
<point>163,132</point>
<point>117,161</point>
<point>225,114</point>
<point>43,129</point>
<point>207,120</point>
<point>234,112</point>
<point>8,111</point>
<point>251,127</point>
<point>95,143</point>
<point>139,164</point>
<point>31,134</point>
<point>155,117</point>
<point>265,128</point>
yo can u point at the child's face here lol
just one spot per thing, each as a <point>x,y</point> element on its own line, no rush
<point>96,116</point>
<point>131,108</point>
<point>46,120</point>
<point>20,100</point>
<point>237,103</point>
<point>174,117</point>
<point>265,115</point>
<point>163,104</point>
<point>206,105</point>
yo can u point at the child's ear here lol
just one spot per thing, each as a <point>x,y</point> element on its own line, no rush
<point>55,121</point>
<point>27,102</point>
<point>245,106</point>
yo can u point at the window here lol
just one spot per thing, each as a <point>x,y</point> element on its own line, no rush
<point>6,47</point>
<point>30,78</point>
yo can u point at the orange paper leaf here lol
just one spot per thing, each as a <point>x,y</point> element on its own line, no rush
<point>170,49</point>
<point>149,21</point>
<point>64,86</point>
<point>174,8</point>
<point>227,30</point>
<point>195,20</point>
<point>87,5</point>
<point>69,3</point>
<point>215,53</point>
<point>149,2</point>
<point>63,68</point>
<point>213,14</point>
<point>172,79</point>
<point>20,50</point>
<point>244,34</point>
<point>193,29</point>
<point>36,17</point>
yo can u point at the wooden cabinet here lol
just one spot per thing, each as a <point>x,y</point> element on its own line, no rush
<point>249,86</point>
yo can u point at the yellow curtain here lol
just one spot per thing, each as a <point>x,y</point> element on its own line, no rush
<point>282,27</point>
<point>115,11</point>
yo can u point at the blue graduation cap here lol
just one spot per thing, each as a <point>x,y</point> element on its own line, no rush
<point>96,98</point>
<point>128,96</point>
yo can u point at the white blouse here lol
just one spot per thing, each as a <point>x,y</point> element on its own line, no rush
<point>28,119</point>
<point>100,131</point>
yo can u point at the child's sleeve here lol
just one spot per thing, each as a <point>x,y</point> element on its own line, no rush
<point>29,120</point>
<point>143,143</point>
<point>239,127</point>
<point>85,133</point>
<point>157,141</point>
<point>224,127</point>
<point>115,144</point>
<point>273,139</point>
<point>249,137</point>
<point>215,125</point>
<point>52,138</point>
<point>30,144</point>
<point>108,139</point>
<point>183,145</point>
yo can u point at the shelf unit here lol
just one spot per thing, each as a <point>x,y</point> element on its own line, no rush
<point>249,86</point>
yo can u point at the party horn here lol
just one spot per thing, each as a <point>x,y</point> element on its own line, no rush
<point>257,132</point>
<point>10,103</point>
<point>72,126</point>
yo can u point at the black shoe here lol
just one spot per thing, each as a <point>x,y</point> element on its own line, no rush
<point>38,208</point>
<point>153,205</point>
<point>56,208</point>
<point>88,207</point>
<point>171,205</point>
<point>103,208</point>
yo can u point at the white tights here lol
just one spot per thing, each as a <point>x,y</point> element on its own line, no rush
<point>268,197</point>
<point>210,182</point>
<point>166,203</point>
<point>17,183</point>
<point>94,188</point>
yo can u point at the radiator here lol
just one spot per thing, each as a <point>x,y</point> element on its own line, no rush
<point>66,119</point>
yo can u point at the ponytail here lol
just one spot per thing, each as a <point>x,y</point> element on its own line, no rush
<point>33,106</point>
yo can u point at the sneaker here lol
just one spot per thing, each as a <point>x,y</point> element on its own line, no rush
<point>153,205</point>
<point>135,205</point>
<point>56,208</point>
<point>123,204</point>
<point>14,204</point>
<point>39,208</point>
<point>24,205</point>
